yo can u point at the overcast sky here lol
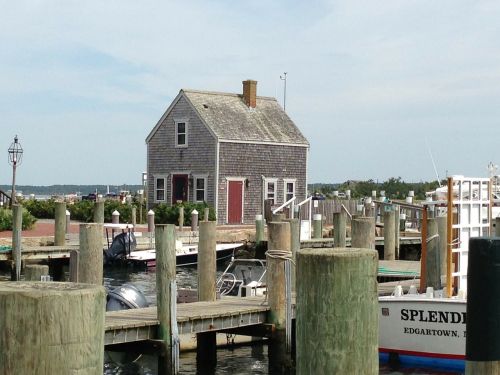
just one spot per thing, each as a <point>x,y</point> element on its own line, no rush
<point>373,85</point>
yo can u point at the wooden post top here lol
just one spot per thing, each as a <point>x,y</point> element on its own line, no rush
<point>37,289</point>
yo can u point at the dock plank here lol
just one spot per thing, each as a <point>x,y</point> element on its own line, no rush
<point>141,324</point>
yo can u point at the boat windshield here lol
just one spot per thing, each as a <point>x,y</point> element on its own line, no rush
<point>247,270</point>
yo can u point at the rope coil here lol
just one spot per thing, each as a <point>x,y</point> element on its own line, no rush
<point>280,254</point>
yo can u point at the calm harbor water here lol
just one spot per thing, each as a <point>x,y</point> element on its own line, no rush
<point>243,360</point>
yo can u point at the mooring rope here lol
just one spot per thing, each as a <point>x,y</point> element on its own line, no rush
<point>280,254</point>
<point>429,239</point>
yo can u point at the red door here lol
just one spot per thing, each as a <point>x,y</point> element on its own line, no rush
<point>179,188</point>
<point>235,202</point>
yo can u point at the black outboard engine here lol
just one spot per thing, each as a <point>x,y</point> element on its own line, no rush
<point>122,244</point>
<point>125,297</point>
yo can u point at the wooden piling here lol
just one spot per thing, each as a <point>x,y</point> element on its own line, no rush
<point>482,346</point>
<point>396,228</point>
<point>433,258</point>
<point>74,260</point>
<point>279,248</point>
<point>99,211</point>
<point>17,227</point>
<point>259,229</point>
<point>194,220</point>
<point>166,296</point>
<point>363,233</point>
<point>60,224</point>
<point>206,349</point>
<point>317,226</point>
<point>278,236</point>
<point>294,244</point>
<point>278,217</point>
<point>339,228</point>
<point>68,221</point>
<point>181,218</point>
<point>34,272</point>
<point>53,328</point>
<point>389,234</point>
<point>337,311</point>
<point>268,212</point>
<point>442,228</point>
<point>134,216</point>
<point>90,268</point>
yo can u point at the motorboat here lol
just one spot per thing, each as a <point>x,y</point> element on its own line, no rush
<point>186,254</point>
<point>430,328</point>
<point>243,278</point>
<point>122,248</point>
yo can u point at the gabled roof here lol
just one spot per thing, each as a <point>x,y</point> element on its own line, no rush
<point>230,119</point>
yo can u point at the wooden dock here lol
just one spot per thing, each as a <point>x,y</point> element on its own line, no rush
<point>197,317</point>
<point>379,241</point>
<point>40,252</point>
<point>230,313</point>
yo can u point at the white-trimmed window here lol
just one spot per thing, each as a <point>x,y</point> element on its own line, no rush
<point>271,190</point>
<point>160,189</point>
<point>181,133</point>
<point>288,189</point>
<point>200,188</point>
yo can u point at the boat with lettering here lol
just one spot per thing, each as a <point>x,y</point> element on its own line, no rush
<point>429,328</point>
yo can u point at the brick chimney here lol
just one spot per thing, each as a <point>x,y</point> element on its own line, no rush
<point>250,93</point>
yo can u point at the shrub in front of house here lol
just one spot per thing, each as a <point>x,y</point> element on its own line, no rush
<point>83,210</point>
<point>166,214</point>
<point>41,209</point>
<point>6,219</point>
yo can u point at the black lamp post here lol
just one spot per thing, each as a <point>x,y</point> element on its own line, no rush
<point>15,158</point>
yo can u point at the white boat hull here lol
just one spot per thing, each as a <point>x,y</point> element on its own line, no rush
<point>420,326</point>
<point>185,255</point>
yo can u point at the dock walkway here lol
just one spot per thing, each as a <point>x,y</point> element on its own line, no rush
<point>133,325</point>
<point>141,324</point>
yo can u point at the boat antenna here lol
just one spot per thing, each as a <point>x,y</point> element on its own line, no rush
<point>283,78</point>
<point>492,168</point>
<point>433,163</point>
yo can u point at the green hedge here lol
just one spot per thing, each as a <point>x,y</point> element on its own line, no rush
<point>6,219</point>
<point>166,214</point>
<point>83,210</point>
<point>40,209</point>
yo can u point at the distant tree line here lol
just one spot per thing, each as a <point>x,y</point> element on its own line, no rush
<point>394,187</point>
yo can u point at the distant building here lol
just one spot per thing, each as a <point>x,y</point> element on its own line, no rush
<point>232,151</point>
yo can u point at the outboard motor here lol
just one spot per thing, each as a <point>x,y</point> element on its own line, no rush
<point>125,297</point>
<point>121,245</point>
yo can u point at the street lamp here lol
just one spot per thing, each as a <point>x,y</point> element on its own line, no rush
<point>15,158</point>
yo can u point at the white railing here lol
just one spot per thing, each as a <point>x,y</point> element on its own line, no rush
<point>288,202</point>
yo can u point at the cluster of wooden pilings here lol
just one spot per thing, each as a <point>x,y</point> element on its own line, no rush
<point>62,325</point>
<point>336,302</point>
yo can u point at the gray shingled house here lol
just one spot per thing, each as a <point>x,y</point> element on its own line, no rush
<point>232,151</point>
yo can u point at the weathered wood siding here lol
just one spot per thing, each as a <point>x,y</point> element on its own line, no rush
<point>254,162</point>
<point>198,158</point>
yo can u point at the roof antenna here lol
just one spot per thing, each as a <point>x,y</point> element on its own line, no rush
<point>433,163</point>
<point>283,78</point>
